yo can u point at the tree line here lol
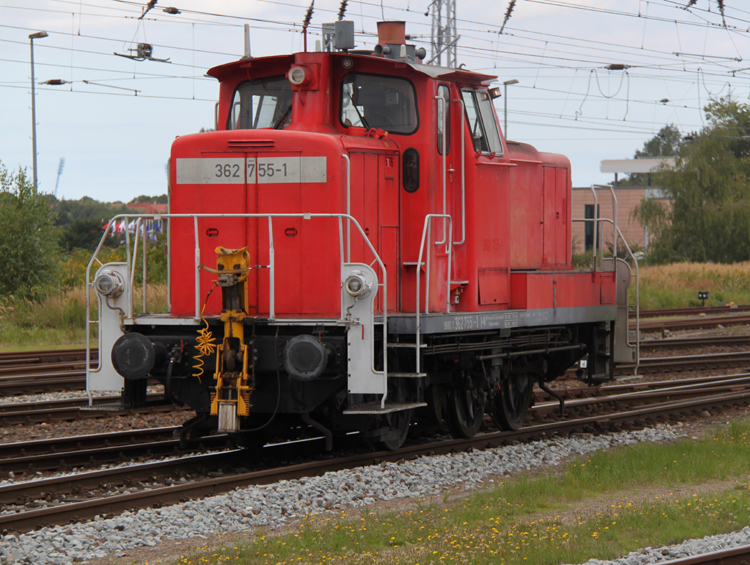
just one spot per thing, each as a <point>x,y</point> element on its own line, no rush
<point>43,239</point>
<point>705,214</point>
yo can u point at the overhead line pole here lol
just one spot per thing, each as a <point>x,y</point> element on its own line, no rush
<point>32,37</point>
<point>444,32</point>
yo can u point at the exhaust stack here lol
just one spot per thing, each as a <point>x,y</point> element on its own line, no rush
<point>392,43</point>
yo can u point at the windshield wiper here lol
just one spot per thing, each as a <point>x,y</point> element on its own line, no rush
<point>282,119</point>
<point>361,117</point>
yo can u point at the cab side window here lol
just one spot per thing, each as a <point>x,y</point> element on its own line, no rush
<point>480,118</point>
<point>443,118</point>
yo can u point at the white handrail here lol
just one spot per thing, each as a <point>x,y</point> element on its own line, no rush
<point>272,267</point>
<point>89,321</point>
<point>441,104</point>
<point>463,173</point>
<point>426,236</point>
<point>348,205</point>
<point>596,222</point>
<point>637,304</point>
<point>197,256</point>
<point>637,294</point>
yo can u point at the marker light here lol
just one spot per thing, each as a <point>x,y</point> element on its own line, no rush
<point>109,283</point>
<point>356,285</point>
<point>298,76</point>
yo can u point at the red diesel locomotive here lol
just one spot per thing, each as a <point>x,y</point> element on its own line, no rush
<point>357,248</point>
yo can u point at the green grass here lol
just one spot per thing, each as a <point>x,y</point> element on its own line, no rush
<point>58,321</point>
<point>677,285</point>
<point>593,507</point>
<point>657,298</point>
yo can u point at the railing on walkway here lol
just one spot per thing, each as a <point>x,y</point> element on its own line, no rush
<point>598,255</point>
<point>131,258</point>
<point>426,239</point>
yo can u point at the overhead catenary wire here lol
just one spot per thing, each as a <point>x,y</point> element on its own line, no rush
<point>555,52</point>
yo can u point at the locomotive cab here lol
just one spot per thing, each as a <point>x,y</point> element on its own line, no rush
<point>358,248</point>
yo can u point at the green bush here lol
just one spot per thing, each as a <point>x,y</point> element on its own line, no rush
<point>29,256</point>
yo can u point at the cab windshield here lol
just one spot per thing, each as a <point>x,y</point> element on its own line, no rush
<point>373,101</point>
<point>261,103</point>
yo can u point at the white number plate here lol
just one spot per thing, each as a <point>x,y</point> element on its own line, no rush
<point>271,170</point>
<point>261,170</point>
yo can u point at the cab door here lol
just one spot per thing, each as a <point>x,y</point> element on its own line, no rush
<point>488,215</point>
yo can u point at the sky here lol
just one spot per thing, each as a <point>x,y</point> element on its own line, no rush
<point>114,119</point>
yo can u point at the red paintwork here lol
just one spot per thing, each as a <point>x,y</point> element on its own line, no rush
<point>517,205</point>
<point>532,290</point>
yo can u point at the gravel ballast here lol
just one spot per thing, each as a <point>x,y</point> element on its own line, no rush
<point>708,544</point>
<point>287,501</point>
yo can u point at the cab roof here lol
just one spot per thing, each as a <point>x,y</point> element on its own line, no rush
<point>274,61</point>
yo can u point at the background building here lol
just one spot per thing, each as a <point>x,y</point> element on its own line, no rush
<point>584,204</point>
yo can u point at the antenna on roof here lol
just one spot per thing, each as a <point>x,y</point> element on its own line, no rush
<point>306,22</point>
<point>247,54</point>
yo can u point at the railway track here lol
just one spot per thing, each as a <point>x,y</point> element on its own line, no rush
<point>68,410</point>
<point>722,340</point>
<point>39,383</point>
<point>692,323</point>
<point>28,505</point>
<point>34,372</point>
<point>691,311</point>
<point>675,363</point>
<point>734,556</point>
<point>41,357</point>
<point>108,448</point>
<point>42,455</point>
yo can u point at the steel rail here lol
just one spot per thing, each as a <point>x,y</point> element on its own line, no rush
<point>725,385</point>
<point>692,311</point>
<point>9,416</point>
<point>668,384</point>
<point>725,340</point>
<point>68,443</point>
<point>75,483</point>
<point>48,368</point>
<point>686,362</point>
<point>42,383</point>
<point>110,454</point>
<point>734,556</point>
<point>157,497</point>
<point>43,355</point>
<point>693,323</point>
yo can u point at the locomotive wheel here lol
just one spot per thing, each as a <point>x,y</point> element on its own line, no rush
<point>512,401</point>
<point>397,422</point>
<point>465,409</point>
<point>432,417</point>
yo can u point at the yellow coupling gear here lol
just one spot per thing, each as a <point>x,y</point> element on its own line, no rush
<point>231,399</point>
